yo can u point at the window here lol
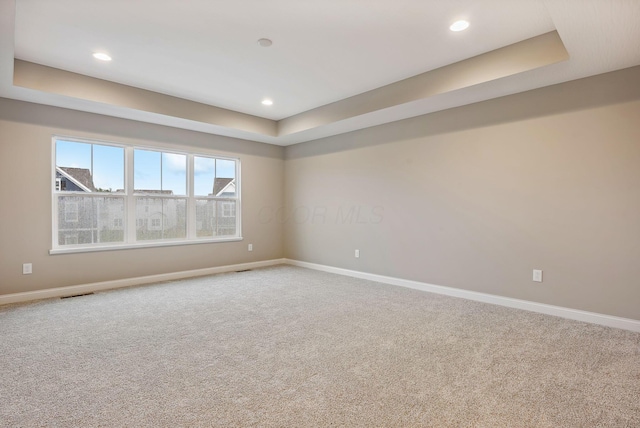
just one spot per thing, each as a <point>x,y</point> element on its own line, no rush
<point>160,189</point>
<point>118,195</point>
<point>216,196</point>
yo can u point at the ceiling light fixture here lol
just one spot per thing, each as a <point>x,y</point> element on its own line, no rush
<point>265,43</point>
<point>102,56</point>
<point>459,25</point>
<point>267,102</point>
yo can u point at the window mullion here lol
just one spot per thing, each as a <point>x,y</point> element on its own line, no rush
<point>191,200</point>
<point>130,201</point>
<point>238,203</point>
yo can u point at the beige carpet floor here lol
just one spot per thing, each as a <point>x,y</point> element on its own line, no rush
<point>290,347</point>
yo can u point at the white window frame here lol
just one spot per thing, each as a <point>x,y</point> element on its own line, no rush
<point>129,196</point>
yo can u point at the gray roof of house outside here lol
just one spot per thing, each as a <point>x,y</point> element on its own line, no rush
<point>219,184</point>
<point>81,175</point>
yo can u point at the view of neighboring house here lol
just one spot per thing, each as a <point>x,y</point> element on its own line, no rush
<point>224,187</point>
<point>160,218</point>
<point>215,217</point>
<point>99,216</point>
<point>90,219</point>
<point>74,179</point>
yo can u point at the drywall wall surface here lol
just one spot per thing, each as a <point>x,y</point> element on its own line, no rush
<point>25,215</point>
<point>480,206</point>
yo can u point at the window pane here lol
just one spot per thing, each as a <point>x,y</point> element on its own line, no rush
<point>83,167</point>
<point>204,175</point>
<point>174,173</point>
<point>215,218</point>
<point>146,171</point>
<point>111,218</point>
<point>226,218</point>
<point>205,217</point>
<point>108,168</point>
<point>158,172</point>
<point>90,220</point>
<point>160,218</point>
<point>71,154</point>
<point>175,218</point>
<point>225,183</point>
<point>214,177</point>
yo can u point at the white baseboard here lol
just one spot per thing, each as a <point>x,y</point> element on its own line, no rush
<point>127,282</point>
<point>559,311</point>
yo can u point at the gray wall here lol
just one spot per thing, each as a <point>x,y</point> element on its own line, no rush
<point>478,196</point>
<point>25,198</point>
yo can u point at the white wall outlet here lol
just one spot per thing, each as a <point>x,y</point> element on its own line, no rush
<point>250,247</point>
<point>27,268</point>
<point>537,275</point>
<point>357,254</point>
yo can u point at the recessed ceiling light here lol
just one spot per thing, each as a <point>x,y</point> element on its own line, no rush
<point>102,56</point>
<point>265,43</point>
<point>459,25</point>
<point>267,102</point>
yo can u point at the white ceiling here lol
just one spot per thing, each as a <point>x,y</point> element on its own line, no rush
<point>323,51</point>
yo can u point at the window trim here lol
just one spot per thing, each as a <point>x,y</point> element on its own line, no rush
<point>130,196</point>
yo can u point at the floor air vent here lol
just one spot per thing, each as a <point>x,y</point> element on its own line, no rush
<point>246,270</point>
<point>76,295</point>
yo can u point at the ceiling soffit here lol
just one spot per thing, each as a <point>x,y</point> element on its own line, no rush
<point>517,58</point>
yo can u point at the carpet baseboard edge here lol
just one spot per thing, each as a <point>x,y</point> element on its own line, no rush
<point>559,311</point>
<point>127,282</point>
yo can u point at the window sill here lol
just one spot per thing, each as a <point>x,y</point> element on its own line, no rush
<point>116,247</point>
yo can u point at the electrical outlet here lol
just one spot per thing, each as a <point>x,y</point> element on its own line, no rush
<point>250,247</point>
<point>357,254</point>
<point>537,275</point>
<point>27,268</point>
